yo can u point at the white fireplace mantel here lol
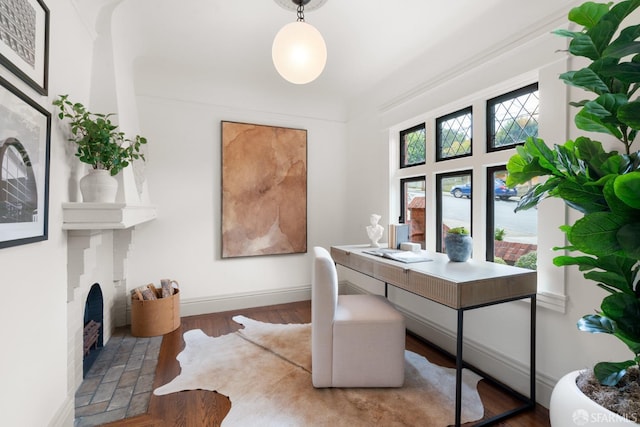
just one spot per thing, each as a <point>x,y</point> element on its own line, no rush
<point>105,216</point>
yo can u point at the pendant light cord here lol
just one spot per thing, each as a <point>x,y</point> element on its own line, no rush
<point>300,12</point>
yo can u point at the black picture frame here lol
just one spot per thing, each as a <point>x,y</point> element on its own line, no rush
<point>24,43</point>
<point>25,139</point>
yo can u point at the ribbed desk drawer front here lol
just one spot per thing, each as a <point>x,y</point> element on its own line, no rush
<point>352,260</point>
<point>433,288</point>
<point>362,264</point>
<point>498,289</point>
<point>391,274</point>
<point>340,256</point>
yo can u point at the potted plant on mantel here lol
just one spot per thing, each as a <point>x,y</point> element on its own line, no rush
<point>101,145</point>
<point>605,187</point>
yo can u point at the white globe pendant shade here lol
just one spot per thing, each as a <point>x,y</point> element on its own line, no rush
<point>299,52</point>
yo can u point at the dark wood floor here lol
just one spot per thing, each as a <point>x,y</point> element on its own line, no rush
<point>208,409</point>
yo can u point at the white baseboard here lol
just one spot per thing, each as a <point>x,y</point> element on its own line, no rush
<point>65,415</point>
<point>195,306</point>
<point>511,372</point>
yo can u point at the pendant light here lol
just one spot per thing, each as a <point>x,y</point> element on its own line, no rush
<point>299,52</point>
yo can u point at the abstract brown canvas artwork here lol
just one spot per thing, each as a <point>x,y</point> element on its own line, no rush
<point>264,190</point>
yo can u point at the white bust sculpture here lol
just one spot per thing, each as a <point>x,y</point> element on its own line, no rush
<point>374,231</point>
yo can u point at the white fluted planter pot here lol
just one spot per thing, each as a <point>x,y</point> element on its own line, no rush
<point>569,406</point>
<point>98,186</point>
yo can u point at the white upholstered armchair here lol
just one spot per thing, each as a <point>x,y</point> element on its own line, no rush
<point>356,340</point>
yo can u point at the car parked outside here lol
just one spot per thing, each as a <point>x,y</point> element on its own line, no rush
<point>500,190</point>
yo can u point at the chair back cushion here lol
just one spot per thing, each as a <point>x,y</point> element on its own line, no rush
<point>324,300</point>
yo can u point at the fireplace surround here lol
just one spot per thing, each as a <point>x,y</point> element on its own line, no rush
<point>99,238</point>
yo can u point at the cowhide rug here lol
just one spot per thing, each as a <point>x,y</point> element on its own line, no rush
<point>265,370</point>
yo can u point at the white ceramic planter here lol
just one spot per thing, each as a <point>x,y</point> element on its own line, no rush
<point>98,186</point>
<point>570,407</point>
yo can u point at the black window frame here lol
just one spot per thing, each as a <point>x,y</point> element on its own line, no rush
<point>439,120</point>
<point>489,113</point>
<point>404,132</point>
<point>439,177</point>
<point>403,182</point>
<point>491,210</point>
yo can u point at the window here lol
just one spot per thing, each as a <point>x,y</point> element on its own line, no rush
<point>453,135</point>
<point>453,204</point>
<point>512,118</point>
<point>413,207</point>
<point>471,158</point>
<point>511,237</point>
<point>413,146</point>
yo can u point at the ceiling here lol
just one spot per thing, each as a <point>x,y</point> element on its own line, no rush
<point>367,40</point>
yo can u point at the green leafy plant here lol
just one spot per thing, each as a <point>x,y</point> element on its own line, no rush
<point>499,233</point>
<point>528,260</point>
<point>499,260</point>
<point>603,185</point>
<point>99,142</point>
<point>458,230</point>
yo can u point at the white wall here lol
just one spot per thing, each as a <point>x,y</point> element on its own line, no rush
<point>33,309</point>
<point>183,173</point>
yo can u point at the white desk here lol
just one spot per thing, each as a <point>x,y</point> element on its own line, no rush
<point>458,285</point>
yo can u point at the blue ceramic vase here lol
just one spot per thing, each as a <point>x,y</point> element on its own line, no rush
<point>458,246</point>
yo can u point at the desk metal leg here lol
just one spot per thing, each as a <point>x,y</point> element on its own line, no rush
<point>530,402</point>
<point>459,368</point>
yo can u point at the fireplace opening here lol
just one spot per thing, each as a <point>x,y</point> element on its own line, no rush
<point>93,328</point>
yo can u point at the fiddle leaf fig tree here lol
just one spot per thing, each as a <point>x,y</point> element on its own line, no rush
<point>99,142</point>
<point>603,185</point>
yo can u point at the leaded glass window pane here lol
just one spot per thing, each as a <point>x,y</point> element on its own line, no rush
<point>512,118</point>
<point>453,135</point>
<point>413,146</point>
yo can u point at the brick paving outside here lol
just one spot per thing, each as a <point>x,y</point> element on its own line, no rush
<point>120,382</point>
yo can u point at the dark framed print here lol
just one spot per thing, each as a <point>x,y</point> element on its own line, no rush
<point>24,41</point>
<point>264,190</point>
<point>25,134</point>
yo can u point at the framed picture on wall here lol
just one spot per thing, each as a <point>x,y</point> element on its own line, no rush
<point>264,190</point>
<point>25,133</point>
<point>24,41</point>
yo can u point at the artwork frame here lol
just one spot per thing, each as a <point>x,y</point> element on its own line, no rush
<point>25,141</point>
<point>25,52</point>
<point>264,190</point>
